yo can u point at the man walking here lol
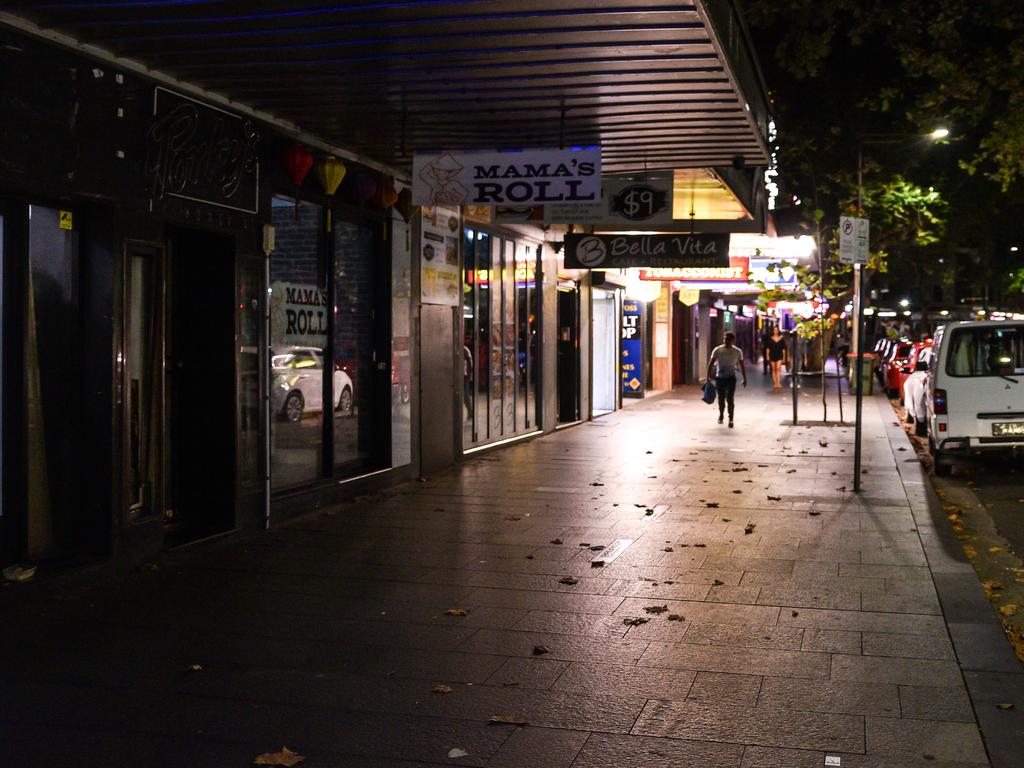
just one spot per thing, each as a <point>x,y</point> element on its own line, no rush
<point>726,359</point>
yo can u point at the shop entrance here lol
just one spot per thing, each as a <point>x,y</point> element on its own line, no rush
<point>178,389</point>
<point>568,354</point>
<point>606,346</point>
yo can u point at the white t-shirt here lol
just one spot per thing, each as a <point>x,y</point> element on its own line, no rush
<point>726,360</point>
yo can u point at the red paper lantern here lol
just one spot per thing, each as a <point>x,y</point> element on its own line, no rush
<point>366,186</point>
<point>297,160</point>
<point>385,195</point>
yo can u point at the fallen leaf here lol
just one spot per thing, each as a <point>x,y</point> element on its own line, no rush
<point>668,549</point>
<point>676,617</point>
<point>790,471</point>
<point>823,443</point>
<point>649,512</point>
<point>456,612</point>
<point>712,505</point>
<point>726,520</point>
<point>540,650</point>
<point>814,514</point>
<point>995,549</point>
<point>718,583</point>
<point>774,498</point>
<point>508,720</point>
<point>737,491</point>
<point>513,517</point>
<point>195,667</point>
<point>749,529</point>
<point>795,614</point>
<point>568,580</point>
<point>1008,610</point>
<point>635,622</point>
<point>597,483</point>
<point>655,609</point>
<point>584,543</point>
<point>445,689</point>
<point>456,752</point>
<point>1004,706</point>
<point>285,757</point>
<point>597,548</point>
<point>700,545</point>
<point>556,541</point>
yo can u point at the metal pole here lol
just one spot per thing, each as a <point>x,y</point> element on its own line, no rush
<point>858,334</point>
<point>794,372</point>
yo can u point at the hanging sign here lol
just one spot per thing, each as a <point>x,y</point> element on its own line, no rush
<point>201,153</point>
<point>530,176</point>
<point>736,272</point>
<point>624,251</point>
<point>689,296</point>
<point>632,350</point>
<point>626,201</point>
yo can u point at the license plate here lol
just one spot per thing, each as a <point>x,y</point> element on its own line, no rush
<point>1008,428</point>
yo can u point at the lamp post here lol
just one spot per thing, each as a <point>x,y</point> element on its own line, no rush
<point>858,284</point>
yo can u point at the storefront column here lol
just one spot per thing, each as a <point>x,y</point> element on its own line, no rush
<point>661,373</point>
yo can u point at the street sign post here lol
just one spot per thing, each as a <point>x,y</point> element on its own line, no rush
<point>853,249</point>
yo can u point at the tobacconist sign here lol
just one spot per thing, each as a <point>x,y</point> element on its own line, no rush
<point>201,153</point>
<point>624,251</point>
<point>529,176</point>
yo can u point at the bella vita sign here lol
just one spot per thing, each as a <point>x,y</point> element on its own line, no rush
<point>529,176</point>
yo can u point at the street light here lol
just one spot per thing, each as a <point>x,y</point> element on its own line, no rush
<point>858,284</point>
<point>904,302</point>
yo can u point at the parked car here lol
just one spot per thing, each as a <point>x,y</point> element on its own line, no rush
<point>896,359</point>
<point>914,392</point>
<point>297,383</point>
<point>975,394</point>
<point>904,372</point>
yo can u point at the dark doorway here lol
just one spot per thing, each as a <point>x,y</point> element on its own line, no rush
<point>201,386</point>
<point>568,355</point>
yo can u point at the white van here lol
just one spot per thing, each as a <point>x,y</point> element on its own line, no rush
<point>975,394</point>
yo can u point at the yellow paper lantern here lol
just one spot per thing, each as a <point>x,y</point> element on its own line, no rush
<point>329,172</point>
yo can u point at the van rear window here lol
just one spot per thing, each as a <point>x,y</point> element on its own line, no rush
<point>986,351</point>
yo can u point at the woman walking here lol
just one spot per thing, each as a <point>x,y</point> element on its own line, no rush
<point>776,351</point>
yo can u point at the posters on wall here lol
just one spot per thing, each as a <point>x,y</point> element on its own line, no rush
<point>632,349</point>
<point>439,256</point>
<point>524,177</point>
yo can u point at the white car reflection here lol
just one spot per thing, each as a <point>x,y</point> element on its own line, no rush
<point>297,375</point>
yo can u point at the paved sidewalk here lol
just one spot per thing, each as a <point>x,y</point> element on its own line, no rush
<point>763,617</point>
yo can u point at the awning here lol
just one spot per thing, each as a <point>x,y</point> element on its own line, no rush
<point>656,84</point>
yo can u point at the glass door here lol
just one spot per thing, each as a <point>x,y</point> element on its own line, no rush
<point>143,381</point>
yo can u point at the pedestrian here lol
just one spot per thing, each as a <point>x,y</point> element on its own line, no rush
<point>768,330</point>
<point>725,359</point>
<point>776,351</point>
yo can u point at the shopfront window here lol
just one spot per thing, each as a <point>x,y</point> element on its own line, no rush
<point>298,338</point>
<point>500,343</point>
<point>354,363</point>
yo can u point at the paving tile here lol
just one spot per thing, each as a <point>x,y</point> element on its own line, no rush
<point>562,647</point>
<point>532,747</point>
<point>572,624</point>
<point>774,757</point>
<point>751,661</point>
<point>831,641</point>
<point>874,669</point>
<point>659,590</point>
<point>724,688</point>
<point>713,613</point>
<point>830,696</point>
<point>610,751</point>
<point>809,597</point>
<point>929,703</point>
<point>909,646</point>
<point>528,673</point>
<point>648,682</point>
<point>901,604</point>
<point>746,725</point>
<point>542,601</point>
<point>786,638</point>
<point>863,621</point>
<point>954,742</point>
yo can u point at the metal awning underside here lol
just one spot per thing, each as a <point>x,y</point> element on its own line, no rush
<point>656,84</point>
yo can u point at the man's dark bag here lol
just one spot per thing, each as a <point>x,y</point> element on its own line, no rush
<point>709,392</point>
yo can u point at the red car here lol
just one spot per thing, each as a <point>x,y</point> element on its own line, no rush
<point>892,366</point>
<point>903,372</point>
